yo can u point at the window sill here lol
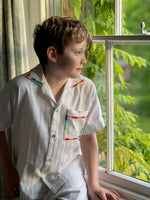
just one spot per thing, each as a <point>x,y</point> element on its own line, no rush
<point>129,188</point>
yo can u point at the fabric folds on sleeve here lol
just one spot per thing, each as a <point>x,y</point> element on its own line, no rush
<point>95,120</point>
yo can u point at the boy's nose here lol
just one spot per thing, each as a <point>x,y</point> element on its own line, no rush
<point>83,60</point>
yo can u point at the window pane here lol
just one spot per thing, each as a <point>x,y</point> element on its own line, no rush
<point>95,70</point>
<point>134,13</point>
<point>132,110</point>
<point>97,15</point>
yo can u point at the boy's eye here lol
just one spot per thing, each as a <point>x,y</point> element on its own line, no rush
<point>78,52</point>
<point>82,53</point>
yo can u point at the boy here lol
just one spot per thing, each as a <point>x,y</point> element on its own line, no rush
<point>54,113</point>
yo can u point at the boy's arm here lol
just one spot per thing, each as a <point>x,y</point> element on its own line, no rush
<point>89,149</point>
<point>11,177</point>
<point>5,159</point>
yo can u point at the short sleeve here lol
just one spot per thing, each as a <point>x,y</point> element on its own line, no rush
<point>7,106</point>
<point>95,120</point>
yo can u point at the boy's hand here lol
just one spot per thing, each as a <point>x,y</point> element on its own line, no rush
<point>99,193</point>
<point>11,183</point>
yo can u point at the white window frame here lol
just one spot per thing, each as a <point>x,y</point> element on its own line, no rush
<point>129,188</point>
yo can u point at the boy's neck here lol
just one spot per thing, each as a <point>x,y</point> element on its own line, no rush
<point>56,82</point>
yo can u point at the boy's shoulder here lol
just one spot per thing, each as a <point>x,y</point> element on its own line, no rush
<point>19,81</point>
<point>87,80</point>
<point>83,82</point>
<point>22,81</point>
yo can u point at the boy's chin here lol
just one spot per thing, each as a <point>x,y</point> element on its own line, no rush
<point>74,75</point>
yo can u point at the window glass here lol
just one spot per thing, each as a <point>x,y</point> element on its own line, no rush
<point>134,13</point>
<point>97,15</point>
<point>95,70</point>
<point>132,110</point>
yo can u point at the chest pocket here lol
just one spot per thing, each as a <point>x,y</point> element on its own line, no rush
<point>74,124</point>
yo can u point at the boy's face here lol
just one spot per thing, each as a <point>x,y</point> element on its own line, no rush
<point>73,59</point>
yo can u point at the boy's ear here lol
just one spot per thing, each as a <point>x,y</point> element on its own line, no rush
<point>51,54</point>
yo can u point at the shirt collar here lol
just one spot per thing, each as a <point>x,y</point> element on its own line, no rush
<point>37,76</point>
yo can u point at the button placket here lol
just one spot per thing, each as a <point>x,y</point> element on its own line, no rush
<point>53,126</point>
<point>52,140</point>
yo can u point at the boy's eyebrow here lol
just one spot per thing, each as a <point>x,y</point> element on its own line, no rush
<point>79,48</point>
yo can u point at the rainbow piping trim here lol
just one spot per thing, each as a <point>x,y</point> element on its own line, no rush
<point>77,84</point>
<point>33,79</point>
<point>73,117</point>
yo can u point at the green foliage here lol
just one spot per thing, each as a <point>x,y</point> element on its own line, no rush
<point>77,5</point>
<point>132,146</point>
<point>136,11</point>
<point>128,58</point>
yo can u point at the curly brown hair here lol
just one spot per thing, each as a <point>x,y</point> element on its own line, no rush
<point>58,32</point>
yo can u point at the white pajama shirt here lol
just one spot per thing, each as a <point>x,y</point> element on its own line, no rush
<point>46,134</point>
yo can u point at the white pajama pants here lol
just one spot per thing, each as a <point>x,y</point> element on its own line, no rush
<point>73,189</point>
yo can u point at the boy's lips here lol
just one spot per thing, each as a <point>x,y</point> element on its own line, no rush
<point>79,68</point>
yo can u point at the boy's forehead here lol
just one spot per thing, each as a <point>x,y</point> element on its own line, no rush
<point>82,44</point>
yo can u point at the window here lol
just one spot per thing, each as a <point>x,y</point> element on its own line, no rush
<point>111,52</point>
<point>112,136</point>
